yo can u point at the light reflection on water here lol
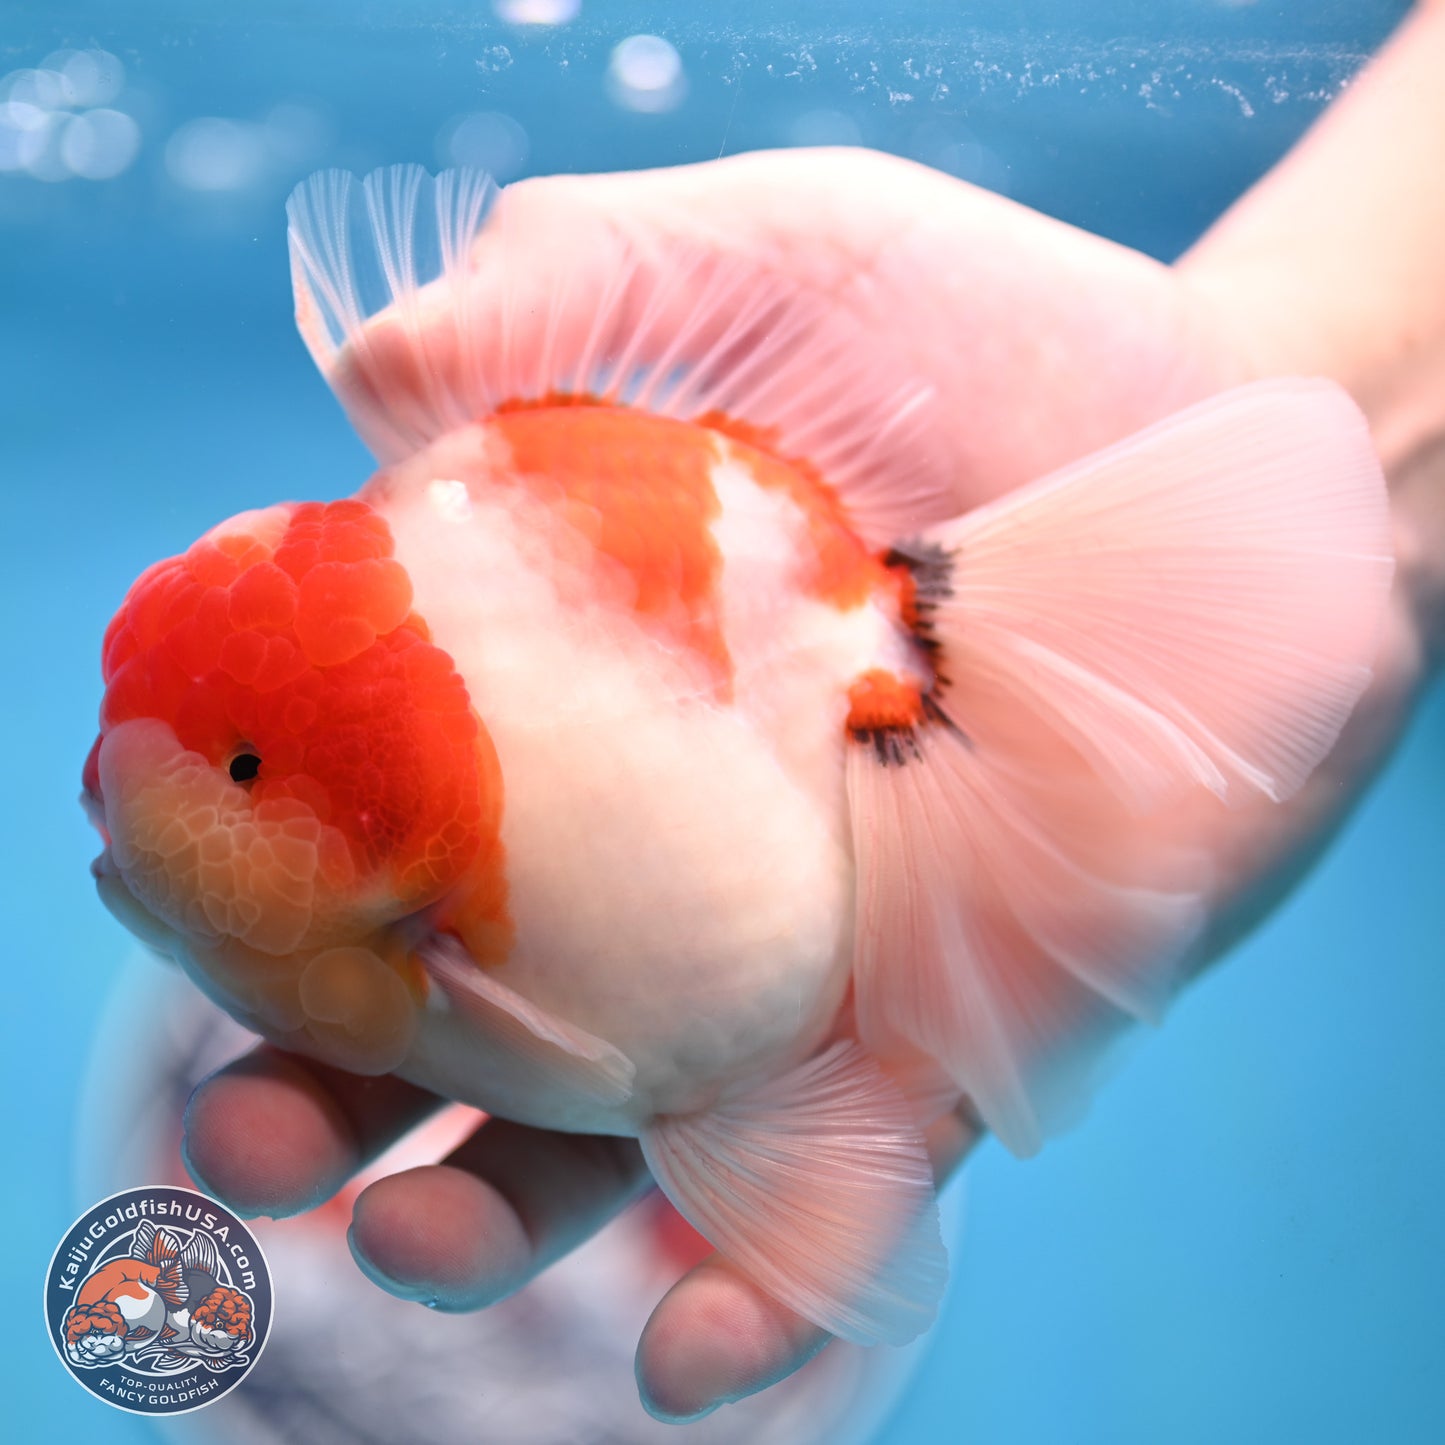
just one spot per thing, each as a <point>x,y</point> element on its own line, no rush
<point>1109,125</point>
<point>55,120</point>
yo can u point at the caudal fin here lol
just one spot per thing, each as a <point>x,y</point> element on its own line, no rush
<point>1195,609</point>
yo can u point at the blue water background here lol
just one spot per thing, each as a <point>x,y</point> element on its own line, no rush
<point>1244,1241</point>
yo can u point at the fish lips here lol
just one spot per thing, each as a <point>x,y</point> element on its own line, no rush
<point>126,908</point>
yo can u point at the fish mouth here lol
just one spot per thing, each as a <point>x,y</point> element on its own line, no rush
<point>126,908</point>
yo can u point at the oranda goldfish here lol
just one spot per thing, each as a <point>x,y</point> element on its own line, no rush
<point>649,748</point>
<point>163,1294</point>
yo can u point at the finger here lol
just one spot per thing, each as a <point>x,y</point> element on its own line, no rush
<point>272,1133</point>
<point>716,1337</point>
<point>470,1231</point>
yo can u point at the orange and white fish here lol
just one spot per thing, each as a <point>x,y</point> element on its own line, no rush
<point>649,749</point>
<point>127,1302</point>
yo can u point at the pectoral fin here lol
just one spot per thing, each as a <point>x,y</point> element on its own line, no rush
<point>538,1049</point>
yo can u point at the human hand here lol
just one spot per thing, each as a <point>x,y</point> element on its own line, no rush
<point>1040,343</point>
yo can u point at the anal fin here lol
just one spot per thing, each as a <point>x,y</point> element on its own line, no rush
<point>818,1185</point>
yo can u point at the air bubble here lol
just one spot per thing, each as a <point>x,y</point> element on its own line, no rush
<point>487,141</point>
<point>536,12</point>
<point>645,74</point>
<point>99,144</point>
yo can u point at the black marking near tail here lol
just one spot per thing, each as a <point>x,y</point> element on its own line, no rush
<point>891,746</point>
<point>930,562</point>
<point>931,568</point>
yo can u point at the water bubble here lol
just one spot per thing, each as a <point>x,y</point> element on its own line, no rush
<point>212,153</point>
<point>487,141</point>
<point>536,12</point>
<point>39,151</point>
<point>24,133</point>
<point>23,115</point>
<point>55,63</point>
<point>87,77</point>
<point>42,88</point>
<point>99,144</point>
<point>824,128</point>
<point>645,74</point>
<point>494,59</point>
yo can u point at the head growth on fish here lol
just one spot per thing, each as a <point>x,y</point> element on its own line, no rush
<point>286,764</point>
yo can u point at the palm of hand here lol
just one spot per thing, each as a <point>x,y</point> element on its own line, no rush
<point>1040,343</point>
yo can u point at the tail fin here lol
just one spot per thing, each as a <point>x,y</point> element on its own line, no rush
<point>1194,609</point>
<point>426,309</point>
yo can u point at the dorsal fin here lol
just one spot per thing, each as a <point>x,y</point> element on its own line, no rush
<point>200,1253</point>
<point>144,1238</point>
<point>426,308</point>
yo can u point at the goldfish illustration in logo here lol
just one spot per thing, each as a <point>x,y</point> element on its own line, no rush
<point>161,1302</point>
<point>651,749</point>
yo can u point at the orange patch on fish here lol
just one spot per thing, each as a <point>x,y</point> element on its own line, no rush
<point>290,655</point>
<point>550,399</point>
<point>639,487</point>
<point>840,569</point>
<point>880,700</point>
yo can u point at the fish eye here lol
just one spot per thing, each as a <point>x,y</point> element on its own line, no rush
<point>244,767</point>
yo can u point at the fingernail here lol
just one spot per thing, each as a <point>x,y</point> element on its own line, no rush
<point>675,1416</point>
<point>667,1418</point>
